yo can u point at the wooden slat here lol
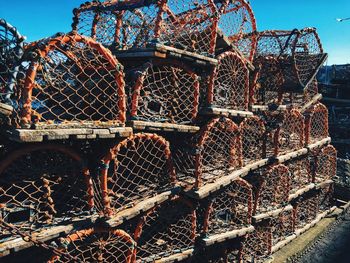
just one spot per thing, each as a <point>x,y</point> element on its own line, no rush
<point>260,108</point>
<point>283,243</point>
<point>167,127</point>
<point>313,101</point>
<point>319,144</point>
<point>5,109</point>
<point>213,111</point>
<point>323,184</point>
<point>292,155</point>
<point>300,192</point>
<point>271,214</point>
<point>176,257</point>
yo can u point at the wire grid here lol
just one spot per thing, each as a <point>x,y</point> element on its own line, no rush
<point>291,133</point>
<point>229,82</point>
<point>273,189</point>
<point>281,226</point>
<point>96,245</point>
<point>165,92</point>
<point>71,79</point>
<point>229,209</point>
<point>237,21</point>
<point>165,230</point>
<point>325,164</point>
<point>137,168</point>
<point>301,173</point>
<point>11,50</point>
<point>41,186</point>
<point>188,25</point>
<point>273,121</point>
<point>257,246</point>
<point>326,197</point>
<point>316,123</point>
<point>252,135</point>
<point>306,211</point>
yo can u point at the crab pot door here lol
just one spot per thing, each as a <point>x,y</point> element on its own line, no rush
<point>325,164</point>
<point>252,136</point>
<point>137,168</point>
<point>291,133</point>
<point>40,186</point>
<point>229,209</point>
<point>165,92</point>
<point>218,151</point>
<point>257,246</point>
<point>273,189</point>
<point>166,230</point>
<point>305,211</point>
<point>237,22</point>
<point>95,245</point>
<point>316,123</point>
<point>301,173</point>
<point>72,79</point>
<point>229,82</point>
<point>11,50</point>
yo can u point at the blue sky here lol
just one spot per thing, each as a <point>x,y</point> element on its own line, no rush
<point>37,19</point>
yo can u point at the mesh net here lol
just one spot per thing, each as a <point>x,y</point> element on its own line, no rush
<point>273,121</point>
<point>326,197</point>
<point>229,209</point>
<point>139,167</point>
<point>229,83</point>
<point>168,229</point>
<point>306,211</point>
<point>11,49</point>
<point>316,124</point>
<point>72,79</point>
<point>301,174</point>
<point>273,189</point>
<point>42,186</point>
<point>300,99</point>
<point>188,25</point>
<point>257,245</point>
<point>326,164</point>
<point>291,133</point>
<point>252,136</point>
<point>165,92</point>
<point>237,20</point>
<point>96,245</point>
<point>281,226</point>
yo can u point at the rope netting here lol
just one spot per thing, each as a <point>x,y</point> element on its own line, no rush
<point>273,121</point>
<point>291,132</point>
<point>96,245</point>
<point>326,199</point>
<point>229,82</point>
<point>325,164</point>
<point>229,209</point>
<point>71,79</point>
<point>165,230</point>
<point>165,92</point>
<point>42,186</point>
<point>252,136</point>
<point>237,21</point>
<point>301,173</point>
<point>257,245</point>
<point>273,189</point>
<point>300,99</point>
<point>281,226</point>
<point>305,211</point>
<point>137,168</point>
<point>316,123</point>
<point>188,25</point>
<point>11,50</point>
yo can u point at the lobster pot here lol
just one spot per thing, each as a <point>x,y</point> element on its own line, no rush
<point>42,186</point>
<point>11,51</point>
<point>326,199</point>
<point>71,80</point>
<point>95,245</point>
<point>291,132</point>
<point>229,209</point>
<point>215,152</point>
<point>298,53</point>
<point>300,100</point>
<point>236,21</point>
<point>135,169</point>
<point>273,189</point>
<point>301,173</point>
<point>187,25</point>
<point>273,122</point>
<point>257,246</point>
<point>325,164</point>
<point>166,230</point>
<point>229,82</point>
<point>305,211</point>
<point>316,123</point>
<point>164,92</point>
<point>253,133</point>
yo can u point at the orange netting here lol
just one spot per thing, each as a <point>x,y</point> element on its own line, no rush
<point>316,123</point>
<point>257,245</point>
<point>325,164</point>
<point>301,173</point>
<point>305,211</point>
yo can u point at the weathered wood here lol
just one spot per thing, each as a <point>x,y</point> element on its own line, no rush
<point>291,155</point>
<point>219,238</point>
<point>271,214</point>
<point>313,101</point>
<point>176,257</point>
<point>260,108</point>
<point>323,184</point>
<point>167,127</point>
<point>140,207</point>
<point>282,243</point>
<point>213,111</point>
<point>5,109</point>
<point>302,191</point>
<point>319,144</point>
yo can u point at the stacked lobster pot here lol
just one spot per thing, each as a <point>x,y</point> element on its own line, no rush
<point>161,131</point>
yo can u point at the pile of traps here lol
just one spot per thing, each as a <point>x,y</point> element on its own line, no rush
<point>161,131</point>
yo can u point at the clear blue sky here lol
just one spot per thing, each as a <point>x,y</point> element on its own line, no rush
<point>40,18</point>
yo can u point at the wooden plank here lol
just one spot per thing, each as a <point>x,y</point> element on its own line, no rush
<point>213,111</point>
<point>140,207</point>
<point>5,109</point>
<point>158,126</point>
<point>260,108</point>
<point>213,239</point>
<point>176,257</point>
<point>283,243</point>
<point>271,214</point>
<point>313,101</point>
<point>300,192</point>
<point>319,144</point>
<point>288,156</point>
<point>323,184</point>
